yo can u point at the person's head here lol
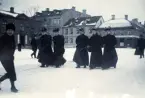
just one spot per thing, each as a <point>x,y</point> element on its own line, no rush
<point>94,31</point>
<point>56,31</point>
<point>141,36</point>
<point>44,30</point>
<point>81,31</point>
<point>10,29</point>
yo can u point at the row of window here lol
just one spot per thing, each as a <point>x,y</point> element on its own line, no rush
<point>71,31</point>
<point>52,21</point>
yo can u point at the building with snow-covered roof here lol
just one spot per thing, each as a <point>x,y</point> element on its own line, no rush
<point>58,18</point>
<point>70,29</point>
<point>25,26</point>
<point>127,32</point>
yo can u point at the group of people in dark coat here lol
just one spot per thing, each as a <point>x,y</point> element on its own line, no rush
<point>94,45</point>
<point>47,55</point>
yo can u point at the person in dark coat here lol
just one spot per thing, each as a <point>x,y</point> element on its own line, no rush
<point>95,43</point>
<point>46,53</point>
<point>58,46</point>
<point>34,47</point>
<point>110,57</point>
<point>141,46</point>
<point>81,57</point>
<point>38,44</point>
<point>7,50</point>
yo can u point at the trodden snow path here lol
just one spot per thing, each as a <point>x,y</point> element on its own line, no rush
<point>127,81</point>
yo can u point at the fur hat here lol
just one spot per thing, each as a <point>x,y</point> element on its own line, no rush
<point>81,29</point>
<point>43,29</point>
<point>94,29</point>
<point>56,30</point>
<point>10,26</point>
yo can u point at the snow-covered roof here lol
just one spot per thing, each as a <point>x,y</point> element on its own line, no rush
<point>126,36</point>
<point>8,13</point>
<point>117,23</point>
<point>83,20</point>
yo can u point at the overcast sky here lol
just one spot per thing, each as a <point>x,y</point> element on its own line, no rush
<point>134,8</point>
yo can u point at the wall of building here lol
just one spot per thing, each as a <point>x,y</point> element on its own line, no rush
<point>122,40</point>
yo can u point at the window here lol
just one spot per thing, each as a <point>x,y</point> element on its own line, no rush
<point>77,30</point>
<point>71,30</point>
<point>66,39</point>
<point>56,21</point>
<point>121,39</point>
<point>66,31</point>
<point>71,40</point>
<point>129,33</point>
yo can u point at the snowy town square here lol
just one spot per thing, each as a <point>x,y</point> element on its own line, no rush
<point>127,79</point>
<point>72,49</point>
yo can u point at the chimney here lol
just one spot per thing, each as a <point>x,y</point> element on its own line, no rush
<point>12,9</point>
<point>74,8</point>
<point>84,11</point>
<point>113,17</point>
<point>126,17</point>
<point>47,9</point>
<point>135,20</point>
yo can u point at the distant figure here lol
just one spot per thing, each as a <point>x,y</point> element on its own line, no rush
<point>95,43</point>
<point>38,44</point>
<point>34,47</point>
<point>7,50</point>
<point>141,46</point>
<point>58,42</point>
<point>19,47</point>
<point>81,57</point>
<point>110,57</point>
<point>46,54</point>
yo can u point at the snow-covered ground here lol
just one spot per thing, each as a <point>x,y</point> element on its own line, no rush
<point>127,81</point>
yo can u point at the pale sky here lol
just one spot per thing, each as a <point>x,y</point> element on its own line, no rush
<point>134,8</point>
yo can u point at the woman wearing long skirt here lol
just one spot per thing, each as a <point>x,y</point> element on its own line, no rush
<point>81,57</point>
<point>110,57</point>
<point>46,53</point>
<point>58,42</point>
<point>95,43</point>
<point>7,50</point>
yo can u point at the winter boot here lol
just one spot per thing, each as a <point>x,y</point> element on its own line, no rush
<point>14,90</point>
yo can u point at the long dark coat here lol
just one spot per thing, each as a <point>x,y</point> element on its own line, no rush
<point>81,56</point>
<point>34,44</point>
<point>141,46</point>
<point>46,53</point>
<point>7,50</point>
<point>59,50</point>
<point>95,43</point>
<point>110,57</point>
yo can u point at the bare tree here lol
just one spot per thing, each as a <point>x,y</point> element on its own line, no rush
<point>32,10</point>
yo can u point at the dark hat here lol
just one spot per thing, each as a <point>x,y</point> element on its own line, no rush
<point>10,26</point>
<point>43,29</point>
<point>81,29</point>
<point>94,29</point>
<point>56,30</point>
<point>141,35</point>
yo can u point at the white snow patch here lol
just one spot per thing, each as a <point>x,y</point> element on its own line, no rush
<point>9,13</point>
<point>126,81</point>
<point>127,36</point>
<point>116,23</point>
<point>92,23</point>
